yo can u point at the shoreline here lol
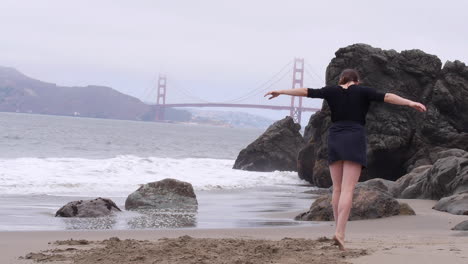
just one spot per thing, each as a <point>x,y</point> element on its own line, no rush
<point>423,238</point>
<point>236,208</point>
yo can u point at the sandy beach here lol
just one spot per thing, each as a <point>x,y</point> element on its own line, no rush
<point>424,238</point>
<point>233,132</point>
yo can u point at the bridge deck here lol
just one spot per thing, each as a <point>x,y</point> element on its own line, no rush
<point>272,107</point>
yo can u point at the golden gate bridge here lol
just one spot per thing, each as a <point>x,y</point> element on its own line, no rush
<point>295,108</point>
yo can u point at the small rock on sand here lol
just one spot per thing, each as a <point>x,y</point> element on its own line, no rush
<point>463,226</point>
<point>368,203</point>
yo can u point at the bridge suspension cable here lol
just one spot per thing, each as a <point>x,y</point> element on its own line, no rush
<point>315,73</point>
<point>295,110</point>
<point>259,89</point>
<point>185,92</point>
<point>264,86</point>
<point>149,91</point>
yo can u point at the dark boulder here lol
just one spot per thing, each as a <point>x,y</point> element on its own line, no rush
<point>88,208</point>
<point>446,177</point>
<point>379,184</point>
<point>276,149</point>
<point>399,137</point>
<point>463,226</point>
<point>320,210</point>
<point>456,204</point>
<point>368,203</point>
<point>167,194</point>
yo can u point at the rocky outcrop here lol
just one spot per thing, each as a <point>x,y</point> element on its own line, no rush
<point>368,203</point>
<point>463,226</point>
<point>275,149</point>
<point>88,208</point>
<point>436,154</point>
<point>407,186</point>
<point>399,138</point>
<point>456,204</point>
<point>167,194</point>
<point>448,176</point>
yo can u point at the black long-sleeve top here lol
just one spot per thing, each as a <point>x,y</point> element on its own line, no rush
<point>349,104</point>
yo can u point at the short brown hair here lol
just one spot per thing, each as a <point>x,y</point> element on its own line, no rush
<point>348,75</point>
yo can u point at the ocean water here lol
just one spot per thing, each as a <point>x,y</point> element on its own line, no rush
<point>46,161</point>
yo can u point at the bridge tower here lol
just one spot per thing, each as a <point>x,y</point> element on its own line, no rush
<point>161,100</point>
<point>297,82</point>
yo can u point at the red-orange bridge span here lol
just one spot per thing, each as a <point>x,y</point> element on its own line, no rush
<point>272,107</point>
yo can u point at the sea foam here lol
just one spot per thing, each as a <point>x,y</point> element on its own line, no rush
<point>122,175</point>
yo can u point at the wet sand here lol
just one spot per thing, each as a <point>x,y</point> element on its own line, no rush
<point>424,238</point>
<point>217,209</point>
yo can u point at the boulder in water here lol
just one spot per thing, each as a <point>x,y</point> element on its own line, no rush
<point>275,149</point>
<point>167,194</point>
<point>88,208</point>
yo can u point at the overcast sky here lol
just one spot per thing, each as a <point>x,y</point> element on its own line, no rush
<point>213,49</point>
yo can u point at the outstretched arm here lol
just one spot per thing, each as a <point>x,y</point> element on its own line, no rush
<point>398,100</point>
<point>294,92</point>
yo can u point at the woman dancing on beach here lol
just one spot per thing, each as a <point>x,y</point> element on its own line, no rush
<point>349,103</point>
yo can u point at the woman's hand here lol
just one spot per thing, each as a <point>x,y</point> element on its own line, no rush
<point>292,92</point>
<point>392,98</point>
<point>273,94</point>
<point>418,106</point>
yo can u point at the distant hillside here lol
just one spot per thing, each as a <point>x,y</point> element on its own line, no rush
<point>22,94</point>
<point>19,93</point>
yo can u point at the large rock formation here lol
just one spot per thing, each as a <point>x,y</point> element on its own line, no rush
<point>167,194</point>
<point>88,208</point>
<point>275,149</point>
<point>368,203</point>
<point>399,138</point>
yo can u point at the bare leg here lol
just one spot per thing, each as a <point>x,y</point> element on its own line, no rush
<point>336,171</point>
<point>351,173</point>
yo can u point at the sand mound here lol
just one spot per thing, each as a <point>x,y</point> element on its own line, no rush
<point>186,249</point>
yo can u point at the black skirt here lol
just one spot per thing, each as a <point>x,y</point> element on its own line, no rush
<point>347,140</point>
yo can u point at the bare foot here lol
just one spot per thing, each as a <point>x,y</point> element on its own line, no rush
<point>339,242</point>
<point>335,241</point>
